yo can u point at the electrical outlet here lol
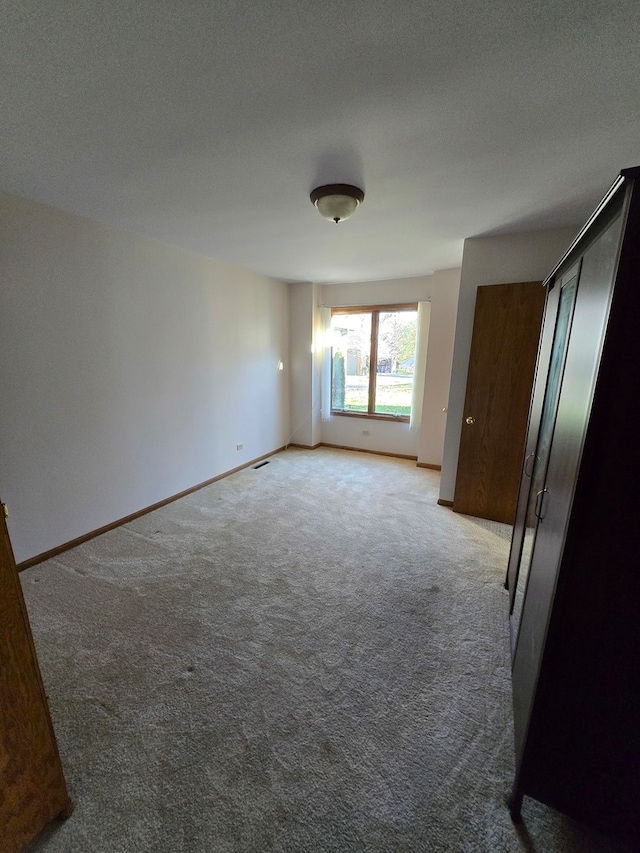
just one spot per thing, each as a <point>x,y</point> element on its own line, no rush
<point>365,432</point>
<point>239,446</point>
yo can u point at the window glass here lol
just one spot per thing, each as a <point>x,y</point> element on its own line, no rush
<point>351,357</point>
<point>395,362</point>
<point>373,360</point>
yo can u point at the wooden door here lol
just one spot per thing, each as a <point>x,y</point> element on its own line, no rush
<point>32,786</point>
<point>504,345</point>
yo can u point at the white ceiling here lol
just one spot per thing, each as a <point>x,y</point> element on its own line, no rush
<point>206,123</point>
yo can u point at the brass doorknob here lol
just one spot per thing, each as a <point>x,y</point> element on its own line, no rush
<point>470,420</point>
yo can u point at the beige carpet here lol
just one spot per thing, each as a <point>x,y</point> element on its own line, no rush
<point>311,656</point>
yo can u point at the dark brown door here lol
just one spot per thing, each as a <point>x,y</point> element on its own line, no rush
<point>32,787</point>
<point>506,329</point>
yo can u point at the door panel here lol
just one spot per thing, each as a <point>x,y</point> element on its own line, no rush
<point>32,789</point>
<point>576,389</point>
<point>506,331</point>
<point>560,312</point>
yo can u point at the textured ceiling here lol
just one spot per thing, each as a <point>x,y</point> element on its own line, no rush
<point>207,123</point>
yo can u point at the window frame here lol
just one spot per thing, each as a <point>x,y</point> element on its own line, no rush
<point>374,311</point>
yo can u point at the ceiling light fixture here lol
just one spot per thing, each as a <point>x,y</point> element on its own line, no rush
<point>336,201</point>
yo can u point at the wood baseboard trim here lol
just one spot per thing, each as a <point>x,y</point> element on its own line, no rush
<point>429,466</point>
<point>67,546</point>
<point>363,450</point>
<point>304,446</point>
<point>442,502</point>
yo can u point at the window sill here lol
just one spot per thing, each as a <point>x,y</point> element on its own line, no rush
<point>370,417</point>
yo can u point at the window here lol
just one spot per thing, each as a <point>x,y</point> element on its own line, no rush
<point>372,360</point>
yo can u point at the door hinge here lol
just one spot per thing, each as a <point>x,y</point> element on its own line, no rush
<point>5,510</point>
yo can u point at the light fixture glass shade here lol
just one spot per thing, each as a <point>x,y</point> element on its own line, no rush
<point>337,201</point>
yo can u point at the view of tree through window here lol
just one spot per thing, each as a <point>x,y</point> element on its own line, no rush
<point>373,358</point>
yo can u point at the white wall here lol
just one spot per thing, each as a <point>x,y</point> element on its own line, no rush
<point>526,256</point>
<point>387,292</point>
<point>317,347</point>
<point>300,356</point>
<point>444,304</point>
<point>131,370</point>
<point>305,367</point>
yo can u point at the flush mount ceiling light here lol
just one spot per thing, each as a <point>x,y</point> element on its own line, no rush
<point>336,201</point>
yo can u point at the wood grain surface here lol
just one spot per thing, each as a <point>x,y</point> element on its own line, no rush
<point>32,789</point>
<point>504,346</point>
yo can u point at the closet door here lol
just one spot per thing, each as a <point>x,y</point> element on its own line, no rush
<point>557,325</point>
<point>32,789</point>
<point>564,422</point>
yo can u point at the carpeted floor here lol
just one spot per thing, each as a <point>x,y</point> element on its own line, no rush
<point>311,656</point>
